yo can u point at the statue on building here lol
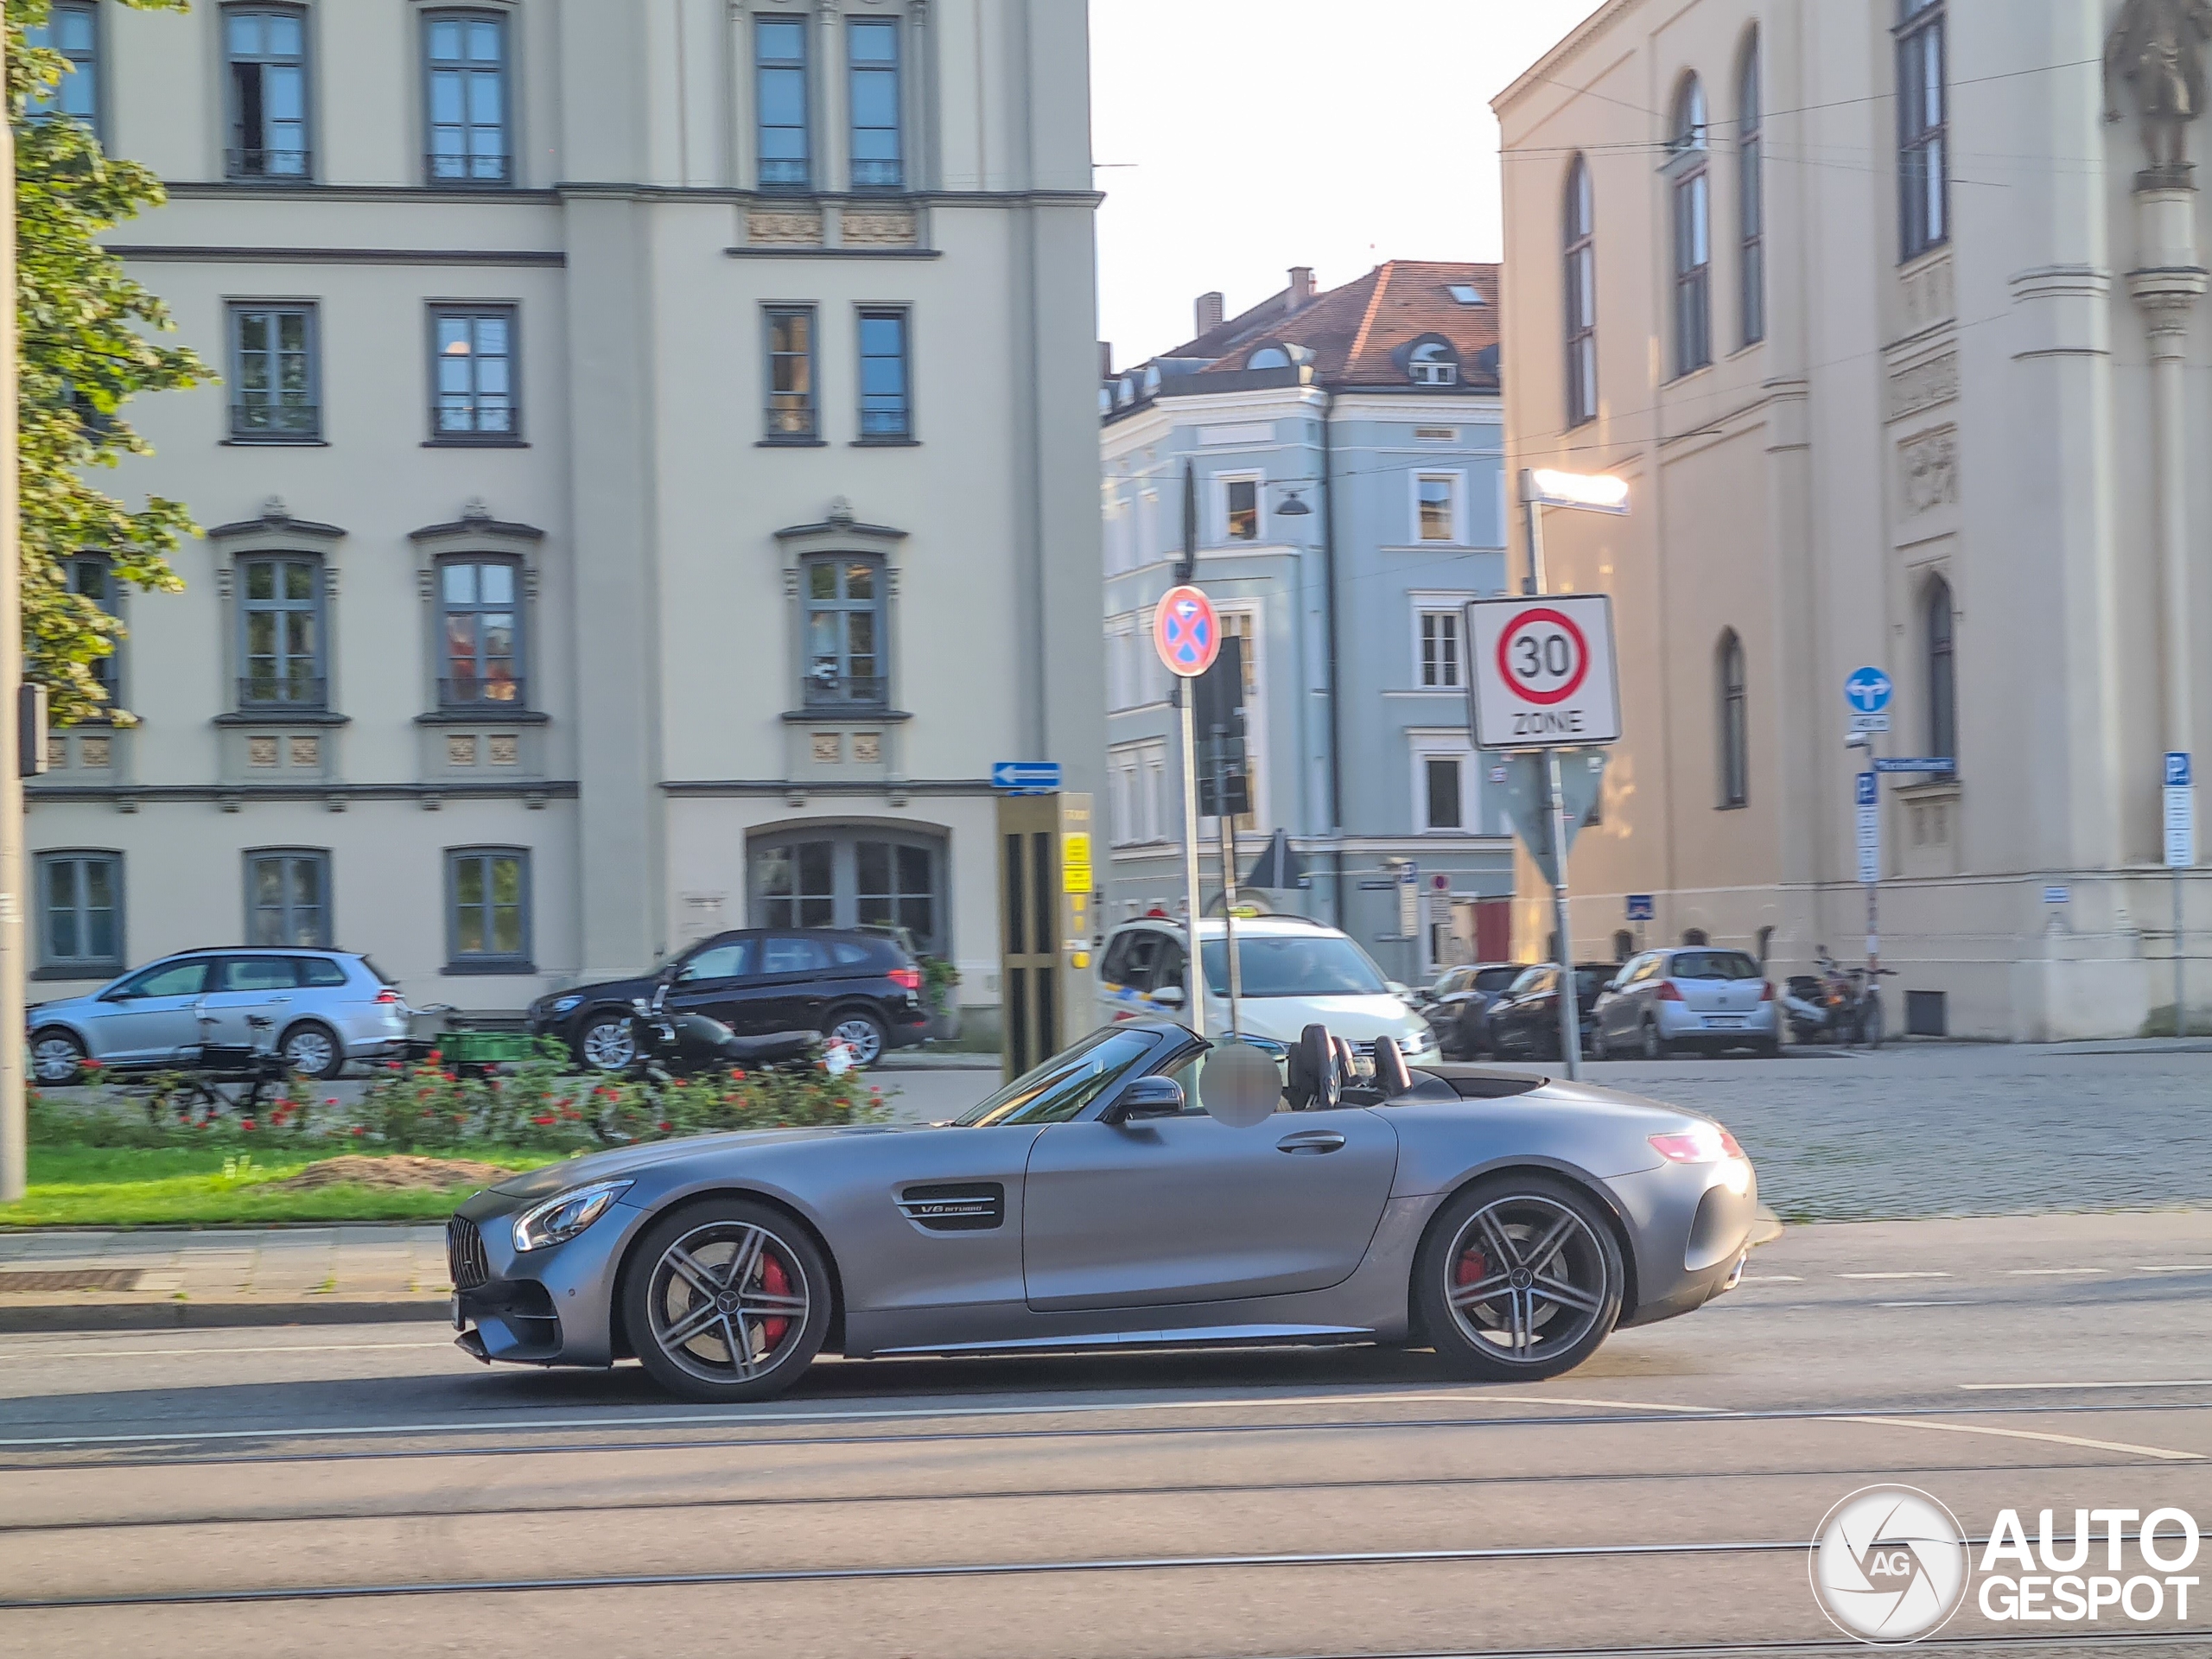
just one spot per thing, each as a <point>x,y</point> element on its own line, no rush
<point>2157,46</point>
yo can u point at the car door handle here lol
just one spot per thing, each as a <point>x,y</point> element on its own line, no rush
<point>1311,1140</point>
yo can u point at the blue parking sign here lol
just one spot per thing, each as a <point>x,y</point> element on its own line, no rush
<point>1640,908</point>
<point>2177,769</point>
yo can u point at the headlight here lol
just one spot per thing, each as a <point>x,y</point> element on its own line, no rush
<point>563,1216</point>
<point>566,1005</point>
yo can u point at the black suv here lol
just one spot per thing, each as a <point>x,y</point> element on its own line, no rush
<point>864,987</point>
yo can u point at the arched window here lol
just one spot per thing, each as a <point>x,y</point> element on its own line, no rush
<point>1751,194</point>
<point>1268,357</point>
<point>1735,730</point>
<point>1942,674</point>
<point>1581,298</point>
<point>1434,363</point>
<point>1685,168</point>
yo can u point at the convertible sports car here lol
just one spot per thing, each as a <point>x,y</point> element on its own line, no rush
<point>1507,1220</point>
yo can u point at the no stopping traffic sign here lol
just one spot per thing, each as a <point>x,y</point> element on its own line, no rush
<point>1543,673</point>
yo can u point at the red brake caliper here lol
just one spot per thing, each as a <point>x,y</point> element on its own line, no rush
<point>1472,1265</point>
<point>776,1282</point>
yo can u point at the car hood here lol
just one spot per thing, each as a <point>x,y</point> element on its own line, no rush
<point>605,990</point>
<point>619,1161</point>
<point>1359,1019</point>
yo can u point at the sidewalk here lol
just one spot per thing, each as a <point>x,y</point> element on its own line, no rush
<point>156,1278</point>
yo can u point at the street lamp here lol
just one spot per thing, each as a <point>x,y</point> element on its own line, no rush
<point>1295,508</point>
<point>1542,487</point>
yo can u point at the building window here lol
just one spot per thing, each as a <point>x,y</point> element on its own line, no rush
<point>1137,777</point>
<point>81,907</point>
<point>872,44</point>
<point>844,634</point>
<point>1735,731</point>
<point>1439,650</point>
<point>1436,497</point>
<point>779,66</point>
<point>790,374</point>
<point>1942,674</point>
<point>90,578</point>
<point>1440,791</point>
<point>1581,298</point>
<point>72,29</point>
<point>473,366</point>
<point>465,71</point>
<point>487,910</point>
<point>276,395</point>
<point>1923,155</point>
<point>1432,363</point>
<point>1242,626</point>
<point>886,410</point>
<point>281,611</point>
<point>267,49</point>
<point>1751,190</point>
<point>858,877</point>
<point>483,638</point>
<point>1240,509</point>
<point>1693,232</point>
<point>288,898</point>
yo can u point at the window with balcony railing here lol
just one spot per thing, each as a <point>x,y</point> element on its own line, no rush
<point>275,389</point>
<point>878,157</point>
<point>266,51</point>
<point>279,612</point>
<point>469,132</point>
<point>843,624</point>
<point>482,638</point>
<point>793,417</point>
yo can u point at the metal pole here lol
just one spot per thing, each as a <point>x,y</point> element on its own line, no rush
<point>2181,1020</point>
<point>1229,901</point>
<point>13,1147</point>
<point>1195,974</point>
<point>1570,1024</point>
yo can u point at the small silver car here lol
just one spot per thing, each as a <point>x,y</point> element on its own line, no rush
<point>1111,1199</point>
<point>327,1007</point>
<point>1692,997</point>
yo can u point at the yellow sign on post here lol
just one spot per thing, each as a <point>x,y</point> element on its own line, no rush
<point>1075,862</point>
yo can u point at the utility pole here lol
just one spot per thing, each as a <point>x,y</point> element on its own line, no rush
<point>14,1142</point>
<point>1570,1021</point>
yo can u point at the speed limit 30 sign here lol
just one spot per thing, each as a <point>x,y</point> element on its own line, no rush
<point>1543,673</point>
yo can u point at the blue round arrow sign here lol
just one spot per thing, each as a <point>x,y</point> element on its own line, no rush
<point>1867,691</point>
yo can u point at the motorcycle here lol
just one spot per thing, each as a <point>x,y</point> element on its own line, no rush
<point>1837,1005</point>
<point>687,1045</point>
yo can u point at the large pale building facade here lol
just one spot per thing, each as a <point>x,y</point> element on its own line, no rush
<point>653,479</point>
<point>1899,345</point>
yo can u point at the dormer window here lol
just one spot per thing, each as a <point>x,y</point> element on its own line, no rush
<point>1268,357</point>
<point>1434,363</point>
<point>1466,293</point>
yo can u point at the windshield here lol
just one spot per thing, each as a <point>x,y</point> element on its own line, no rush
<point>1713,964</point>
<point>1064,1085</point>
<point>1295,965</point>
<point>1496,979</point>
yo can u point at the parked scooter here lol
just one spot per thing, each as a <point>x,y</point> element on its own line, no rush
<point>686,1044</point>
<point>1837,1005</point>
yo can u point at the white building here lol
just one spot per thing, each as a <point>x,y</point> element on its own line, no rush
<point>1898,345</point>
<point>653,479</point>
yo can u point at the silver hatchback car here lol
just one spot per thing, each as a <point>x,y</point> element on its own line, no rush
<point>325,1007</point>
<point>1690,997</point>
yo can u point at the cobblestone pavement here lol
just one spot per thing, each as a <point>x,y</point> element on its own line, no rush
<point>1957,1129</point>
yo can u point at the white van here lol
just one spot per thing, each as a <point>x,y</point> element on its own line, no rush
<point>1296,973</point>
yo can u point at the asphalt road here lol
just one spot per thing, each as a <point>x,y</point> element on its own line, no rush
<point>175,1493</point>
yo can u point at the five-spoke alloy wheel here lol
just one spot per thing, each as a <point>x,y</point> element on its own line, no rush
<point>726,1299</point>
<point>1520,1277</point>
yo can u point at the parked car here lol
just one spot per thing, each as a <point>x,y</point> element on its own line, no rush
<point>328,1006</point>
<point>1296,972</point>
<point>861,988</point>
<point>1458,1006</point>
<point>1692,997</point>
<point>1094,1202</point>
<point>1524,1019</point>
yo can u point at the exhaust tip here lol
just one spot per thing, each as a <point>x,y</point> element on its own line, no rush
<point>1735,1274</point>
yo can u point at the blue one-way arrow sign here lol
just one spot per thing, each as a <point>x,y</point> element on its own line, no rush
<point>1025,774</point>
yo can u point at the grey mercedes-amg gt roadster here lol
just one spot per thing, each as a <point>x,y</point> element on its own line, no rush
<point>1141,1190</point>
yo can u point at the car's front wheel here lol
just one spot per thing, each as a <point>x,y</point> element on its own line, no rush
<point>726,1301</point>
<point>1520,1278</point>
<point>56,1058</point>
<point>608,1042</point>
<point>1656,1047</point>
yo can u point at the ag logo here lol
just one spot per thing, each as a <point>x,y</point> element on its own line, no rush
<point>1889,1564</point>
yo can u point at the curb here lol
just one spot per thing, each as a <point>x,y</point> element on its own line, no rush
<point>1766,1227</point>
<point>212,1316</point>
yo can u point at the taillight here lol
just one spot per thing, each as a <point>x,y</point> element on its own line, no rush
<point>1766,990</point>
<point>1706,1143</point>
<point>1669,992</point>
<point>906,979</point>
<point>388,995</point>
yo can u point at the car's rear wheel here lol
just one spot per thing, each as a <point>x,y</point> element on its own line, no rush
<point>1656,1047</point>
<point>56,1058</point>
<point>1519,1278</point>
<point>314,1049</point>
<point>860,1030</point>
<point>608,1042</point>
<point>726,1299</point>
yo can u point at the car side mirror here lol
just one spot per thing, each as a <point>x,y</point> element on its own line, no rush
<point>1147,1097</point>
<point>1168,996</point>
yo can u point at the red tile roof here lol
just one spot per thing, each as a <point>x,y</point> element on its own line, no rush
<point>1357,332</point>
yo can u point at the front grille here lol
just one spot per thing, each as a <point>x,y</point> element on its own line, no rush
<point>465,1253</point>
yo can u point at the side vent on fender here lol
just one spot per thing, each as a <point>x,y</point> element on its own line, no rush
<point>955,1206</point>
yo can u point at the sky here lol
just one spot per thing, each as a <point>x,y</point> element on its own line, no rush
<point>1237,138</point>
